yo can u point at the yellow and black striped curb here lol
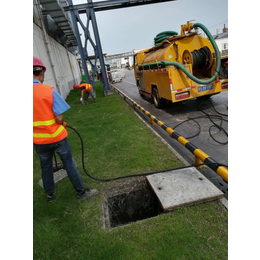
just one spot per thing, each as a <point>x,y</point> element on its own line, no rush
<point>198,153</point>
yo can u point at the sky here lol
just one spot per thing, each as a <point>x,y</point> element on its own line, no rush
<point>134,28</point>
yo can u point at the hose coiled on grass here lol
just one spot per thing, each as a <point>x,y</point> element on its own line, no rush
<point>126,176</point>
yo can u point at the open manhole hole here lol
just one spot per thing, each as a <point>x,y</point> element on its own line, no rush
<point>133,206</point>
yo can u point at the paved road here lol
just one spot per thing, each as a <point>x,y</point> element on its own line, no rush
<point>174,114</point>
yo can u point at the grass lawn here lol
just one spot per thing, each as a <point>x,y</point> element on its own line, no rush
<point>117,143</point>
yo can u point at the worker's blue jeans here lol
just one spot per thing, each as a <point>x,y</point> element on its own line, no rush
<point>45,153</point>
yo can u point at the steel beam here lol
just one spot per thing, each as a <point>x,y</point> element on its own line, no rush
<point>74,18</point>
<point>99,52</point>
<point>96,46</point>
<point>112,4</point>
<point>89,9</point>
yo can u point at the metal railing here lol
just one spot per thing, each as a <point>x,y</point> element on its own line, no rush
<point>199,155</point>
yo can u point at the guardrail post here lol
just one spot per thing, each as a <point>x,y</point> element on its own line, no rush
<point>198,161</point>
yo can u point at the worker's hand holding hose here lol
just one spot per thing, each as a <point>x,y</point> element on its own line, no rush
<point>60,120</point>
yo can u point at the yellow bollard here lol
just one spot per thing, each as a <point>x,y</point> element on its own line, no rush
<point>223,172</point>
<point>152,120</point>
<point>198,161</point>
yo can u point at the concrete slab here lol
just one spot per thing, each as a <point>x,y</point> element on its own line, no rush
<point>175,189</point>
<point>57,176</point>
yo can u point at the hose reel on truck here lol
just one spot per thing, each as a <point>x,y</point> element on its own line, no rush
<point>181,67</point>
<point>200,59</point>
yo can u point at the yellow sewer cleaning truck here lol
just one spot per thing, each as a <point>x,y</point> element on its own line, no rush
<point>181,66</point>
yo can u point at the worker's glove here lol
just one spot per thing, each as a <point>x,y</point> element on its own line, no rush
<point>82,101</point>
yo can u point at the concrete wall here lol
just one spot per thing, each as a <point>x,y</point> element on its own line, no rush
<point>64,71</point>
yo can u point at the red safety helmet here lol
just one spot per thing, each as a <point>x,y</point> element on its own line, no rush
<point>37,65</point>
<point>75,86</point>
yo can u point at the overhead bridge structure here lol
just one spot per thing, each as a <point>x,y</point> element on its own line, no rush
<point>89,9</point>
<point>120,55</point>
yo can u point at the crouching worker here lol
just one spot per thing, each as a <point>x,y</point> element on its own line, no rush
<point>50,135</point>
<point>88,90</point>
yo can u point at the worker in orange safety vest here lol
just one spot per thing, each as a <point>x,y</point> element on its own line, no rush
<point>50,135</point>
<point>88,90</point>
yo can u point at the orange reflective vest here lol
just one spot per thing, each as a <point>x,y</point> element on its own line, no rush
<point>88,87</point>
<point>45,128</point>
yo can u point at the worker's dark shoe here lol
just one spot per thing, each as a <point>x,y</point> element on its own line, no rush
<point>95,101</point>
<point>87,194</point>
<point>50,198</point>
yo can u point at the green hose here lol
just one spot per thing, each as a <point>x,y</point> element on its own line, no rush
<point>181,67</point>
<point>162,36</point>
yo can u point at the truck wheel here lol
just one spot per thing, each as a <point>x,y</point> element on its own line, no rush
<point>158,102</point>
